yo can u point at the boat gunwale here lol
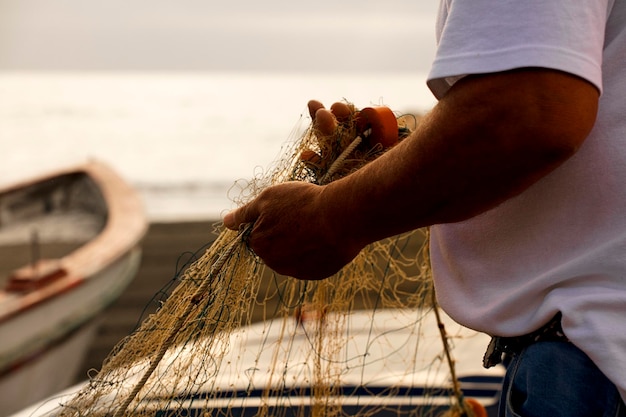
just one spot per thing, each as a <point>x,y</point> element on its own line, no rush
<point>124,229</point>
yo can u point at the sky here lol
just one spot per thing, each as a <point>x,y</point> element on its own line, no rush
<point>224,35</point>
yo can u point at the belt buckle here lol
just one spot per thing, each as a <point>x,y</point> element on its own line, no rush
<point>500,345</point>
<point>493,354</point>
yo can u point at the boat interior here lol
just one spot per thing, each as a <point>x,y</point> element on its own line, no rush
<point>43,221</point>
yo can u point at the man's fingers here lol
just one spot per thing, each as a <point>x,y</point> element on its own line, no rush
<point>314,106</point>
<point>229,221</point>
<point>236,218</point>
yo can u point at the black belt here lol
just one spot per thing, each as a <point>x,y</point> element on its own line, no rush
<point>552,331</point>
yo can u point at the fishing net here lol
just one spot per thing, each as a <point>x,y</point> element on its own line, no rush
<point>236,339</point>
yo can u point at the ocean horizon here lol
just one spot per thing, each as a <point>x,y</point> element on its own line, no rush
<point>182,139</point>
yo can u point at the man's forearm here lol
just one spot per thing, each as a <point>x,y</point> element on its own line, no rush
<point>489,139</point>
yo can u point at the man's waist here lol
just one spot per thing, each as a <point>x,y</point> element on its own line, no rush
<point>551,331</point>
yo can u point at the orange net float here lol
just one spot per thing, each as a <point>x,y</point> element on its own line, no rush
<point>475,407</point>
<point>310,156</point>
<point>381,122</point>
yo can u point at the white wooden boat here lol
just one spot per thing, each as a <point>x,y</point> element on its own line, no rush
<point>69,246</point>
<point>393,367</point>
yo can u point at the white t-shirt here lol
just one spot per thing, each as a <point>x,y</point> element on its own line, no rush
<point>560,245</point>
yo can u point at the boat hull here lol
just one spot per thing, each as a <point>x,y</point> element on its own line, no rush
<point>46,359</point>
<point>50,308</point>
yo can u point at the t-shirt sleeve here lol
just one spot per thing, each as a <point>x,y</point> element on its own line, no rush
<point>486,36</point>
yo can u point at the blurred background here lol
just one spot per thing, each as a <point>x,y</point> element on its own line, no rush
<point>185,97</point>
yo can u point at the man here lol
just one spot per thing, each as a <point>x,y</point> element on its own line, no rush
<point>520,168</point>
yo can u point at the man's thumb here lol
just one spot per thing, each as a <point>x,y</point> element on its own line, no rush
<point>242,215</point>
<point>230,220</point>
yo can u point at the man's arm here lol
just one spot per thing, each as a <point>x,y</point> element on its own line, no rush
<point>491,137</point>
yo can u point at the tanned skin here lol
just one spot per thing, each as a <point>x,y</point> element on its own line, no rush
<point>488,139</point>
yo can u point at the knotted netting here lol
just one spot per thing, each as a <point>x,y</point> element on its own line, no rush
<point>236,339</point>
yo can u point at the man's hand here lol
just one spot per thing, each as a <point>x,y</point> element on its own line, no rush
<point>293,231</point>
<point>490,138</point>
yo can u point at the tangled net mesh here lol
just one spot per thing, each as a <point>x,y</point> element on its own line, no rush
<point>234,335</point>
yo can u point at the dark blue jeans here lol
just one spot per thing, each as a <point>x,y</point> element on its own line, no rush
<point>556,379</point>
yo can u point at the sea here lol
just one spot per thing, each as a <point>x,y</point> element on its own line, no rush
<point>182,139</point>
